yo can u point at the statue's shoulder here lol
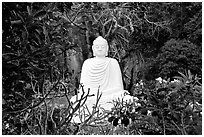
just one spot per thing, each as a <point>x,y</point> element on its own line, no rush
<point>92,60</point>
<point>88,61</point>
<point>113,60</point>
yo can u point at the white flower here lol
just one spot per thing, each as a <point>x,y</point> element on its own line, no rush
<point>7,125</point>
<point>164,81</point>
<point>128,98</point>
<point>159,79</point>
<point>176,81</point>
<point>149,113</point>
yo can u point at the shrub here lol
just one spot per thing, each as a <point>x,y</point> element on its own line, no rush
<point>167,107</point>
<point>177,55</point>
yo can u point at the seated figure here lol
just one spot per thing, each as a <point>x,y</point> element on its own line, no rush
<point>101,73</point>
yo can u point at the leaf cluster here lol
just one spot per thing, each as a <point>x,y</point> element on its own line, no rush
<point>38,39</point>
<point>168,107</point>
<point>178,55</point>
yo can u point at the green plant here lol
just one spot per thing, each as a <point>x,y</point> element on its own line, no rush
<point>177,105</point>
<point>167,107</point>
<point>40,39</point>
<point>177,55</point>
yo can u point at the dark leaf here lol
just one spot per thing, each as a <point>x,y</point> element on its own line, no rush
<point>155,113</point>
<point>125,120</point>
<point>144,111</point>
<point>162,89</point>
<point>40,14</point>
<point>110,119</point>
<point>138,109</point>
<point>115,121</point>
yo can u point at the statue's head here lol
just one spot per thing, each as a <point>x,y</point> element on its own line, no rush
<point>100,47</point>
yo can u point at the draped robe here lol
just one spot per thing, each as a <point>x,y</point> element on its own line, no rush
<point>103,75</point>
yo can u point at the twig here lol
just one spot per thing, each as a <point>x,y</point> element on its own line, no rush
<point>78,11</point>
<point>94,110</point>
<point>177,126</point>
<point>38,122</point>
<point>70,21</point>
<point>163,122</point>
<point>183,128</point>
<point>103,29</point>
<point>28,127</point>
<point>68,119</point>
<point>66,93</point>
<point>46,118</point>
<point>108,33</point>
<point>31,106</point>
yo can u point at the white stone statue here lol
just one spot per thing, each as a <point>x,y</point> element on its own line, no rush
<point>101,73</point>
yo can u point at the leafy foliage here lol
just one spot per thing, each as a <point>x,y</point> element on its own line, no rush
<point>169,107</point>
<point>178,55</point>
<point>44,45</point>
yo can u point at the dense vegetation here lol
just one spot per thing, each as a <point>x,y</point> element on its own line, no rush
<point>45,44</point>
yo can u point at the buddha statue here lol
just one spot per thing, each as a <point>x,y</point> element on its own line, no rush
<point>103,74</point>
